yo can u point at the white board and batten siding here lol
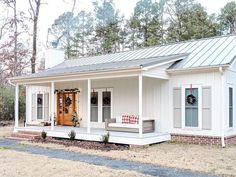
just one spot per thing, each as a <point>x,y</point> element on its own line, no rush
<point>173,119</point>
<point>31,102</point>
<point>230,82</point>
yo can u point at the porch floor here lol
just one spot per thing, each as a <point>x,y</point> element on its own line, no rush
<point>96,134</point>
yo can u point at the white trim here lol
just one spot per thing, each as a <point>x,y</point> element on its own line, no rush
<point>52,104</point>
<point>183,88</point>
<point>223,106</point>
<point>88,106</point>
<point>140,104</point>
<point>155,76</point>
<point>17,105</point>
<point>100,106</point>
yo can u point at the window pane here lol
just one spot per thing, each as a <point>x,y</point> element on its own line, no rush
<point>191,109</point>
<point>106,105</point>
<point>40,106</point>
<point>94,106</point>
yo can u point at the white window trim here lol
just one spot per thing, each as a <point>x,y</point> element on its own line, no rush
<point>199,87</point>
<point>227,110</point>
<point>36,109</point>
<point>100,90</point>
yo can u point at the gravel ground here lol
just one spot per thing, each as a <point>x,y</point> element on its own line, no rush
<point>21,164</point>
<point>146,169</point>
<point>200,158</point>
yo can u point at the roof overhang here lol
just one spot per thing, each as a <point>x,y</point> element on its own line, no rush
<point>197,69</point>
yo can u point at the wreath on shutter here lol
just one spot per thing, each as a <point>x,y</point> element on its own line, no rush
<point>68,101</point>
<point>94,100</point>
<point>191,99</point>
<point>106,100</point>
<point>39,100</point>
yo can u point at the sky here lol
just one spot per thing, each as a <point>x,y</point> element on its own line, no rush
<point>53,8</point>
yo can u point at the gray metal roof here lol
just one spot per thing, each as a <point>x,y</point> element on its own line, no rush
<point>207,52</point>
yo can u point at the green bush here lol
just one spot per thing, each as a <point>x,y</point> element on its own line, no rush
<point>72,135</point>
<point>105,138</point>
<point>44,134</point>
<point>7,96</point>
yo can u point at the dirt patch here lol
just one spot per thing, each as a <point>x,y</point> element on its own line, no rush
<point>5,130</point>
<point>82,144</point>
<point>13,165</point>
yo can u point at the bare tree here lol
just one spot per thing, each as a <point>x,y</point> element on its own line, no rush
<point>34,12</point>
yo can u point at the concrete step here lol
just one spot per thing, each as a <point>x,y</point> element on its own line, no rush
<point>17,138</point>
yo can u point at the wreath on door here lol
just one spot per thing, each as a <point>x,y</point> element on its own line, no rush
<point>68,101</point>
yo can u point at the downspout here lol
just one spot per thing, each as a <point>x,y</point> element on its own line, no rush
<point>223,103</point>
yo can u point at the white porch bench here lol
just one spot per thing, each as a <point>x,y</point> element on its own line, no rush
<point>113,125</point>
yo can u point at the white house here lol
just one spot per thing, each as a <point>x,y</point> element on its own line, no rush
<point>184,91</point>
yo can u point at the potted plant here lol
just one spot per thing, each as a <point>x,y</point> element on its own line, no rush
<point>75,119</point>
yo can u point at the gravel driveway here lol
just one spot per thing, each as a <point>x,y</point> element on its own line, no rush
<point>147,169</point>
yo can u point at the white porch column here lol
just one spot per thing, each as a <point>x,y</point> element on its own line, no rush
<point>89,106</point>
<point>52,105</point>
<point>17,105</point>
<point>140,104</point>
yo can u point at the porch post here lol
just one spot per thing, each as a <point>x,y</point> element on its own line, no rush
<point>140,104</point>
<point>89,106</point>
<point>52,105</point>
<point>17,105</point>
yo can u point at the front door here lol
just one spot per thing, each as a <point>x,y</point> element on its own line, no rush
<point>66,106</point>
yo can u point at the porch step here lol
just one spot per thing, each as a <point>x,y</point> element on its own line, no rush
<point>17,138</point>
<point>29,132</point>
<point>24,135</point>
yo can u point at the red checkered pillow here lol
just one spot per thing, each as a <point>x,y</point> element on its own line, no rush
<point>125,119</point>
<point>133,119</point>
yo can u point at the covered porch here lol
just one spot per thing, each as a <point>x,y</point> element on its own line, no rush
<point>97,133</point>
<point>131,93</point>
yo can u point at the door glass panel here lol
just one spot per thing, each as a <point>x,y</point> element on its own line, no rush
<point>39,106</point>
<point>94,106</point>
<point>106,105</point>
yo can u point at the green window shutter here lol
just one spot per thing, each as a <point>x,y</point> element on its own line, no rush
<point>33,108</point>
<point>206,108</point>
<point>177,107</point>
<point>46,106</point>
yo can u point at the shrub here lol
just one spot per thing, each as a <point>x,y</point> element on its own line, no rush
<point>44,134</point>
<point>72,135</point>
<point>105,138</point>
<point>7,103</point>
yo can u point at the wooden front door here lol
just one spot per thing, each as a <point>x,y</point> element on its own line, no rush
<point>66,106</point>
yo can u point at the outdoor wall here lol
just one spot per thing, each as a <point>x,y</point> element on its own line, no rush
<point>230,80</point>
<point>31,89</point>
<point>203,79</point>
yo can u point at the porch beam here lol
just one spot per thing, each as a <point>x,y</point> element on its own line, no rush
<point>140,104</point>
<point>17,105</point>
<point>89,106</point>
<point>52,111</point>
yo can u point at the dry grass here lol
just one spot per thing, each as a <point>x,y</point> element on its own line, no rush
<point>209,159</point>
<point>5,131</point>
<point>20,164</point>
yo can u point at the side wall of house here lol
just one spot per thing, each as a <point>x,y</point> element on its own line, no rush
<point>230,75</point>
<point>210,80</point>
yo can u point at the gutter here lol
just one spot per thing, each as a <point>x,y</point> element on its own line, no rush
<point>223,103</point>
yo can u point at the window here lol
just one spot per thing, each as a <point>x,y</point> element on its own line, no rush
<point>39,106</point>
<point>101,105</point>
<point>106,105</point>
<point>94,106</point>
<point>191,107</point>
<point>230,107</point>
